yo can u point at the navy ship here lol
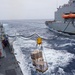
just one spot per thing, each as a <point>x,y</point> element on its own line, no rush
<point>8,63</point>
<point>64,19</point>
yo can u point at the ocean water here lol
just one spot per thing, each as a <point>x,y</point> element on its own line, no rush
<point>59,49</point>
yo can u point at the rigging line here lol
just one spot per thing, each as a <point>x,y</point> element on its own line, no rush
<point>69,23</point>
<point>66,26</point>
<point>33,35</point>
<point>73,23</point>
<point>28,36</point>
<point>23,35</point>
<point>37,36</point>
<point>45,58</point>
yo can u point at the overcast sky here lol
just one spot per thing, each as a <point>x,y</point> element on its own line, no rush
<point>29,9</point>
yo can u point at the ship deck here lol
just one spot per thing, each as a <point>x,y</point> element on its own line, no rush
<point>8,64</point>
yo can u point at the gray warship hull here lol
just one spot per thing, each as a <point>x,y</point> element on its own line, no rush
<point>8,63</point>
<point>66,25</point>
<point>61,27</point>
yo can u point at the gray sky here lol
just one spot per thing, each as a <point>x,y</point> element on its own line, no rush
<point>29,9</point>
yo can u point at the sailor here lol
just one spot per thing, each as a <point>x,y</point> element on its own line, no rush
<point>4,42</point>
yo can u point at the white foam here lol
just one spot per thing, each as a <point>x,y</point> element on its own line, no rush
<point>9,31</point>
<point>58,58</point>
<point>55,58</point>
<point>66,44</point>
<point>21,58</point>
<point>5,24</point>
<point>23,42</point>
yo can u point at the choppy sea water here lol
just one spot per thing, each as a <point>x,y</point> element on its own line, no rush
<point>59,49</point>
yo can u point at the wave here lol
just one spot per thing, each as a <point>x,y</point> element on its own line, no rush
<point>57,59</point>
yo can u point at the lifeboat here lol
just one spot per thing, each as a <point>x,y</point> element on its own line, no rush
<point>72,15</point>
<point>65,16</point>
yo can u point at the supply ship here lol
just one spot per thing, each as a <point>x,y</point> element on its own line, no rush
<point>8,63</point>
<point>64,19</point>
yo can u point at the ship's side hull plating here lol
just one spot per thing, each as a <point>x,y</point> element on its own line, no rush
<point>62,27</point>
